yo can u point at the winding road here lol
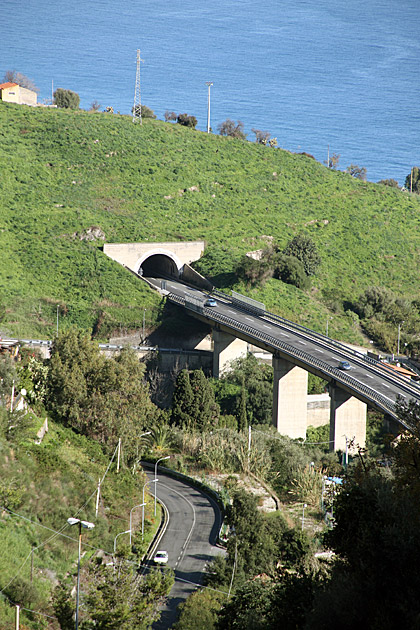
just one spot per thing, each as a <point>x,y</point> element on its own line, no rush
<point>190,538</point>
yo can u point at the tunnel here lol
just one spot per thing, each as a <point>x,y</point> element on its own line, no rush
<point>159,265</point>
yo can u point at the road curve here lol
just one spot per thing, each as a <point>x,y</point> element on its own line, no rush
<point>190,538</point>
<point>368,380</point>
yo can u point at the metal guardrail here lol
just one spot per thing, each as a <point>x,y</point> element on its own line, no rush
<point>411,386</point>
<point>385,403</point>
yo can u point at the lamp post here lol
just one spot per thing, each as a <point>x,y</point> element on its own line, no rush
<point>209,84</point>
<point>120,534</point>
<point>156,465</point>
<point>303,514</point>
<point>131,512</point>
<point>86,525</point>
<point>140,436</point>
<point>326,330</point>
<point>142,510</point>
<point>399,336</point>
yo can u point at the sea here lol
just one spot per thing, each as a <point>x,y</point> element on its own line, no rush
<point>320,76</point>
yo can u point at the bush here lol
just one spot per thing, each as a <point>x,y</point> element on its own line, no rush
<point>292,271</point>
<point>170,116</point>
<point>358,172</point>
<point>304,249</point>
<point>392,183</point>
<point>412,181</point>
<point>187,121</point>
<point>229,128</point>
<point>145,111</point>
<point>66,99</point>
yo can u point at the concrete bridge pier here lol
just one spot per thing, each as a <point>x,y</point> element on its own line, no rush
<point>347,420</point>
<point>290,390</point>
<point>226,348</point>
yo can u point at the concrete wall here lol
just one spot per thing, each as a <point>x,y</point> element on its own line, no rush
<point>318,406</point>
<point>132,255</point>
<point>20,95</point>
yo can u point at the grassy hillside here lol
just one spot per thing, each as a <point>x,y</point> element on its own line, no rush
<point>41,486</point>
<point>64,172</point>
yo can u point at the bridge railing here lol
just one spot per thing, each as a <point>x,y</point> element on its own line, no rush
<point>412,386</point>
<point>367,392</point>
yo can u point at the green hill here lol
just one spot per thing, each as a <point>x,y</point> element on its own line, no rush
<point>63,172</point>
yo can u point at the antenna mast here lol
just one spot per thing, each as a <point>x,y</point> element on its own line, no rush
<point>137,92</point>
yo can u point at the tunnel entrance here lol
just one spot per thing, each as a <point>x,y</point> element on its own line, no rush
<point>159,265</point>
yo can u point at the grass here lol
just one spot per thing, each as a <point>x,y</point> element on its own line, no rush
<point>45,484</point>
<point>63,172</point>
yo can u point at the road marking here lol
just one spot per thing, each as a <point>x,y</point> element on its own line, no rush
<point>265,326</point>
<point>304,342</point>
<point>284,334</point>
<point>234,312</point>
<point>403,395</point>
<point>370,376</point>
<point>321,351</point>
<point>249,319</point>
<point>385,385</point>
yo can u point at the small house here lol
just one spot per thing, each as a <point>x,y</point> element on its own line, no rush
<point>14,93</point>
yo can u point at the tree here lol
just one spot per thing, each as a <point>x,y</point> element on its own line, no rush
<point>95,106</point>
<point>199,611</point>
<point>187,121</point>
<point>182,402</point>
<point>333,161</point>
<point>229,128</point>
<point>170,116</point>
<point>205,412</point>
<point>102,398</point>
<point>305,250</point>
<point>145,111</point>
<point>119,597</point>
<point>392,183</point>
<point>412,181</point>
<point>291,270</point>
<point>12,76</point>
<point>261,137</point>
<point>66,99</point>
<point>358,172</point>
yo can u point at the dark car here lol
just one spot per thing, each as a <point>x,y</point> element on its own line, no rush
<point>344,365</point>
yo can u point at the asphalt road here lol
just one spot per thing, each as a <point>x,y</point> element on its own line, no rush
<point>190,539</point>
<point>325,353</point>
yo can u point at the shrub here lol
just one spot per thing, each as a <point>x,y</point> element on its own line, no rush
<point>187,121</point>
<point>145,111</point>
<point>412,181</point>
<point>392,183</point>
<point>66,99</point>
<point>358,172</point>
<point>304,249</point>
<point>170,116</point>
<point>229,128</point>
<point>291,270</point>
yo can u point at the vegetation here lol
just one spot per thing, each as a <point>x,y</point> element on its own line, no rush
<point>412,181</point>
<point>13,76</point>
<point>66,99</point>
<point>65,171</point>
<point>229,128</point>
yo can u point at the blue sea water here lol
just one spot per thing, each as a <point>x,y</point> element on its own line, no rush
<point>313,74</point>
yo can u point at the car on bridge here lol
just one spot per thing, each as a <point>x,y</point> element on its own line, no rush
<point>210,302</point>
<point>344,365</point>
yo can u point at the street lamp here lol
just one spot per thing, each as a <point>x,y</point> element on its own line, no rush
<point>142,510</point>
<point>303,514</point>
<point>209,84</point>
<point>86,525</point>
<point>326,330</point>
<point>131,512</point>
<point>140,436</point>
<point>156,465</point>
<point>120,534</point>
<point>399,336</point>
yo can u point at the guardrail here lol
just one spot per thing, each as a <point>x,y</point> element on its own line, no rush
<point>367,392</point>
<point>411,386</point>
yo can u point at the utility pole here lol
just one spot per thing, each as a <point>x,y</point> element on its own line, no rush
<point>137,92</point>
<point>209,84</point>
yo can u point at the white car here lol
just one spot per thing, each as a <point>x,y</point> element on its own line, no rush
<point>161,557</point>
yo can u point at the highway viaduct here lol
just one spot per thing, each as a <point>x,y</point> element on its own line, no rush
<point>237,321</point>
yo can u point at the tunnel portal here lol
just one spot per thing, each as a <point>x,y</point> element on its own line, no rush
<point>159,265</point>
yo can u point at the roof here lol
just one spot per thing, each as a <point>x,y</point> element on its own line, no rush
<point>4,86</point>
